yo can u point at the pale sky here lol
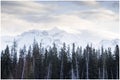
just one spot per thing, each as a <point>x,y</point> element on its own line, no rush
<point>97,17</point>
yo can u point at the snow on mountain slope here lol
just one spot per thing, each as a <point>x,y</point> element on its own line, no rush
<point>109,43</point>
<point>55,35</point>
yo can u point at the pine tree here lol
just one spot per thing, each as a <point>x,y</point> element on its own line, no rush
<point>117,61</point>
<point>20,64</point>
<point>87,53</point>
<point>45,64</point>
<point>28,65</point>
<point>37,61</point>
<point>66,63</point>
<point>74,60</point>
<point>5,64</point>
<point>109,64</point>
<point>14,58</point>
<point>55,63</point>
<point>104,68</point>
<point>93,64</point>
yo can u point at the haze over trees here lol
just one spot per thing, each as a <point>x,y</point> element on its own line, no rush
<point>68,62</point>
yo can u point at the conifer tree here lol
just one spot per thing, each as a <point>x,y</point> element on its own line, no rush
<point>45,64</point>
<point>37,61</point>
<point>28,65</point>
<point>14,58</point>
<point>6,64</point>
<point>55,63</point>
<point>117,61</point>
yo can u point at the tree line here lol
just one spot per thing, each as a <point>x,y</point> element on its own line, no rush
<point>66,63</point>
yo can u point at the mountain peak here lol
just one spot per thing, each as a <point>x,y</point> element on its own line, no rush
<point>58,36</point>
<point>34,31</point>
<point>56,30</point>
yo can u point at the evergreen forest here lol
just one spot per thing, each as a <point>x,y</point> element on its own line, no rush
<point>67,62</point>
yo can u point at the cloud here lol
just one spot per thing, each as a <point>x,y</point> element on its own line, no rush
<point>24,8</point>
<point>73,21</point>
<point>96,35</point>
<point>11,25</point>
<point>29,10</point>
<point>97,15</point>
<point>92,3</point>
<point>110,5</point>
<point>18,17</point>
<point>38,18</point>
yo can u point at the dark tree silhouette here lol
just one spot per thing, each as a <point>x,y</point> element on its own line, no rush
<point>59,63</point>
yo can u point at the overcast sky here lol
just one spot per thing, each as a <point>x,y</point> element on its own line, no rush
<point>98,17</point>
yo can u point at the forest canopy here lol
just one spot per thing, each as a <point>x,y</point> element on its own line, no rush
<point>66,63</point>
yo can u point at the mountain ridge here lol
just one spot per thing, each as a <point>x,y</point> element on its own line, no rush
<point>57,36</point>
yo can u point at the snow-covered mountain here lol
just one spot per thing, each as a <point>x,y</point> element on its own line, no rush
<point>109,43</point>
<point>55,35</point>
